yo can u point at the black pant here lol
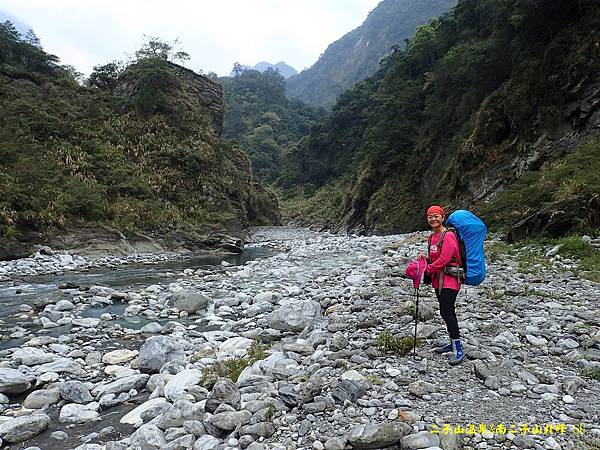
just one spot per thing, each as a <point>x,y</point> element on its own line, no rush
<point>447,300</point>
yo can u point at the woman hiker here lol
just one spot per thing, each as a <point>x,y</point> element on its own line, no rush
<point>440,259</point>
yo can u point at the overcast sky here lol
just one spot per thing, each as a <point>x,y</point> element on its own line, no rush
<point>216,33</point>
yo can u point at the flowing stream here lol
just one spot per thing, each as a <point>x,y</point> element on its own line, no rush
<point>25,290</point>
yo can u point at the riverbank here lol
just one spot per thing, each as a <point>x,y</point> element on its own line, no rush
<point>304,334</point>
<point>95,242</point>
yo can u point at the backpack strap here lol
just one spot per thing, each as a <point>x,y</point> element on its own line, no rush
<point>458,273</point>
<point>441,274</point>
<point>429,248</point>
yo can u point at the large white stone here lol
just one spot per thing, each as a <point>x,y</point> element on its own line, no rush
<point>134,417</point>
<point>236,347</point>
<point>268,296</point>
<point>75,413</point>
<point>356,280</point>
<point>177,385</point>
<point>86,322</point>
<point>353,375</point>
<point>41,398</point>
<point>30,356</point>
<point>119,371</point>
<point>121,385</point>
<point>64,305</point>
<point>149,437</point>
<point>117,357</point>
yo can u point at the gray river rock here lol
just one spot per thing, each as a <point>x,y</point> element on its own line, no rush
<point>75,391</point>
<point>158,350</point>
<point>13,381</point>
<point>136,364</point>
<point>23,428</point>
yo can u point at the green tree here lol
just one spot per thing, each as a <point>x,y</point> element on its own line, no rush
<point>106,76</point>
<point>155,47</point>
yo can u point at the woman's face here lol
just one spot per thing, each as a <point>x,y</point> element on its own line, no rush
<point>435,220</point>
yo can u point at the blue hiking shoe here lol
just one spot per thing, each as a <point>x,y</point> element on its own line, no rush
<point>458,355</point>
<point>445,349</point>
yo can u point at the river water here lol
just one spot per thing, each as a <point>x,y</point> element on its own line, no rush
<point>25,290</point>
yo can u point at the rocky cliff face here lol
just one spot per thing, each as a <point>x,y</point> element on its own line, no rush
<point>208,93</point>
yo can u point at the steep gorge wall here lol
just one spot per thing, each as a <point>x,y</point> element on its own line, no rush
<point>493,108</point>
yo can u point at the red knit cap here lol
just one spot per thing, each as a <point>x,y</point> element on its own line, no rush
<point>435,210</point>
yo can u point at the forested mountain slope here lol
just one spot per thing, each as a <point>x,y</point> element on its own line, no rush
<point>265,123</point>
<point>137,149</point>
<point>494,107</point>
<point>356,55</point>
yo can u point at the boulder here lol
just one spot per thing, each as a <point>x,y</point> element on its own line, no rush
<point>295,316</point>
<point>229,421</point>
<point>189,301</point>
<point>75,413</point>
<point>158,350</point>
<point>422,439</point>
<point>49,299</point>
<point>121,385</point>
<point>134,416</point>
<point>258,430</point>
<point>75,392</point>
<point>62,365</point>
<point>234,347</point>
<point>206,442</point>
<point>178,384</point>
<point>64,305</point>
<point>224,391</point>
<point>86,322</point>
<point>30,356</point>
<point>348,389</point>
<point>152,328</point>
<point>367,436</point>
<point>13,381</point>
<point>149,437</point>
<point>117,357</point>
<point>356,280</point>
<point>268,296</point>
<point>22,428</point>
<point>41,398</point>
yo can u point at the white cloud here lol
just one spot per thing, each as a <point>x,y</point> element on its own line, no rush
<point>215,33</point>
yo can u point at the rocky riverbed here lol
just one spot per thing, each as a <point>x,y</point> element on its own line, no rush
<point>303,334</point>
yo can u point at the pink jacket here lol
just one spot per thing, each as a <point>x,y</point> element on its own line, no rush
<point>449,256</point>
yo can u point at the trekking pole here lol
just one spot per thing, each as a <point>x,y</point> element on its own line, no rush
<point>416,322</point>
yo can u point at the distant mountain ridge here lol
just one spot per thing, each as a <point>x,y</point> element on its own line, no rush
<point>284,69</point>
<point>356,55</point>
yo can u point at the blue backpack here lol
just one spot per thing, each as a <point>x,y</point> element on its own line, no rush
<point>470,232</point>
